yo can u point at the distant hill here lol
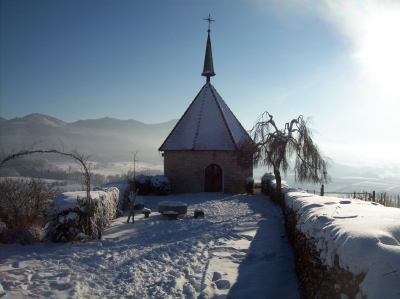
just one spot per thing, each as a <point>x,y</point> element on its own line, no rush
<point>109,139</point>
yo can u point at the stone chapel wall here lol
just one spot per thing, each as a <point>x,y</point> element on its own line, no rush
<point>185,170</point>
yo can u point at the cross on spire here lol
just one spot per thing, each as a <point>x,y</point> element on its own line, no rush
<point>209,20</point>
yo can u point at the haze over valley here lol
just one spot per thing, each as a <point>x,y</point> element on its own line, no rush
<point>110,143</point>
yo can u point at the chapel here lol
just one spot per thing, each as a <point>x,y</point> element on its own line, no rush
<point>200,154</point>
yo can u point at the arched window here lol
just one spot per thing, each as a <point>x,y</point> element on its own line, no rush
<point>213,178</point>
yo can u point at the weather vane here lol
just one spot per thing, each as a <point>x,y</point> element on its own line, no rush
<point>209,21</point>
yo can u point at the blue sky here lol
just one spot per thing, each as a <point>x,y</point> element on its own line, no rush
<point>334,61</point>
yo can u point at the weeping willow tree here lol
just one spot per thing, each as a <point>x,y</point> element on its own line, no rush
<point>274,148</point>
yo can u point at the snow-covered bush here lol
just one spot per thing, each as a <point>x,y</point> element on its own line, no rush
<point>123,187</point>
<point>265,183</point>
<point>157,185</point>
<point>249,185</point>
<point>69,214</point>
<point>143,183</point>
<point>160,185</point>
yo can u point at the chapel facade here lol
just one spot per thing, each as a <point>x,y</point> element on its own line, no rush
<point>200,154</point>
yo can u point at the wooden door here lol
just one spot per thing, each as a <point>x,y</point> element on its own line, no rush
<point>213,178</point>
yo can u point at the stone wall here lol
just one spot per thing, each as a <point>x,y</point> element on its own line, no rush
<point>185,170</point>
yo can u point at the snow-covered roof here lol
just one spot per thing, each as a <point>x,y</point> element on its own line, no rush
<point>208,124</point>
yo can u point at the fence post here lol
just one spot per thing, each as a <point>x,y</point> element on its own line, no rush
<point>322,190</point>
<point>354,196</point>
<point>373,196</point>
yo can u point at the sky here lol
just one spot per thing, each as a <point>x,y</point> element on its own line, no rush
<point>337,62</point>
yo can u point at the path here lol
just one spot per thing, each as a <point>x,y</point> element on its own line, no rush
<point>236,251</point>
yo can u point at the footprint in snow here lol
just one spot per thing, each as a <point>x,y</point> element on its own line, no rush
<point>216,276</point>
<point>223,284</point>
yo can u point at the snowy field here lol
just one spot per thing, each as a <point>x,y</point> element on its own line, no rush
<point>239,250</point>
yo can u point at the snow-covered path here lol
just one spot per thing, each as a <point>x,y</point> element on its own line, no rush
<point>236,251</point>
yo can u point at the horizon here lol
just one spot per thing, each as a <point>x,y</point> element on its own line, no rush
<point>337,62</point>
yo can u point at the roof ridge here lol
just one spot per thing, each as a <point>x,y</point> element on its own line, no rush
<point>223,116</point>
<point>199,119</point>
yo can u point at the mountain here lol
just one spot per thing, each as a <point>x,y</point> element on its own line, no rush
<point>108,139</point>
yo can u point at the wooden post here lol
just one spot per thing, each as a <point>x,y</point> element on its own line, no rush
<point>322,190</point>
<point>373,196</point>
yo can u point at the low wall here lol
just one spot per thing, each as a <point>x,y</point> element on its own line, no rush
<point>343,248</point>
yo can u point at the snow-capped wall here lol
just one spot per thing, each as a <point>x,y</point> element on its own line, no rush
<point>351,246</point>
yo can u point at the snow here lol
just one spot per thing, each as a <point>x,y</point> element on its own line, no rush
<point>235,251</point>
<point>364,236</point>
<point>208,124</point>
<point>68,200</point>
<point>238,250</point>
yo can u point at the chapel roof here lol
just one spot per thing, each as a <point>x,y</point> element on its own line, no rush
<point>208,124</point>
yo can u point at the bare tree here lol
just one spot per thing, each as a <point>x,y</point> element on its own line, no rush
<point>133,191</point>
<point>79,159</point>
<point>274,147</point>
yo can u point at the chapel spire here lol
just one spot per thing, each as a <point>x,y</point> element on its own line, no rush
<point>208,69</point>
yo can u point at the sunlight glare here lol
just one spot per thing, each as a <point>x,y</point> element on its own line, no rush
<point>378,47</point>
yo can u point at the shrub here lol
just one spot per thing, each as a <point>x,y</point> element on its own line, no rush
<point>160,185</point>
<point>68,217</point>
<point>249,185</point>
<point>143,183</point>
<point>156,185</point>
<point>265,183</point>
<point>23,237</point>
<point>24,205</point>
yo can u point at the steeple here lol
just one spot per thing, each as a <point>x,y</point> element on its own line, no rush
<point>208,69</point>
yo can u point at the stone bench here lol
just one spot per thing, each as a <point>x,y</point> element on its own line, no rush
<point>175,206</point>
<point>172,215</point>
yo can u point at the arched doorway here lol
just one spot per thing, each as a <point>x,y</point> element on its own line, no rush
<point>213,178</point>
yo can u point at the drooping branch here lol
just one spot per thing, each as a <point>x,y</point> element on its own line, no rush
<point>275,147</point>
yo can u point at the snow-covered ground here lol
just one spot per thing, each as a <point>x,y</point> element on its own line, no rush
<point>238,250</point>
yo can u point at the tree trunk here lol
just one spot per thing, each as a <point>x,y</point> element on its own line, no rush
<point>278,178</point>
